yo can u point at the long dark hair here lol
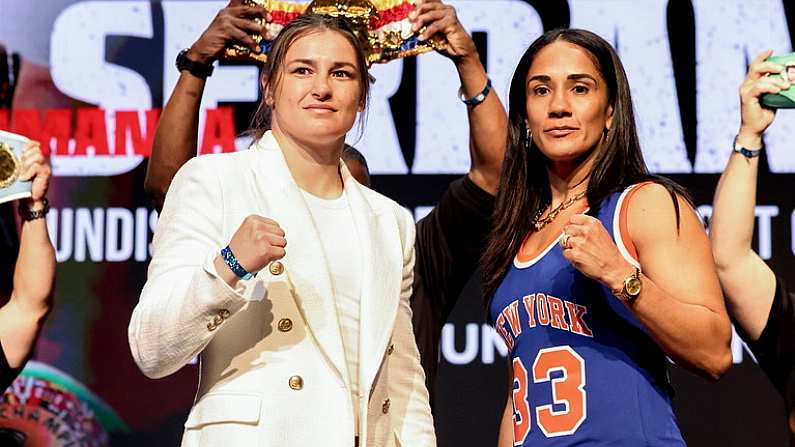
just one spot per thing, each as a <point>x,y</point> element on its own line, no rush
<point>271,70</point>
<point>524,186</point>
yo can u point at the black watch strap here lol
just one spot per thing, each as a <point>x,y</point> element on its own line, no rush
<point>197,69</point>
<point>27,214</point>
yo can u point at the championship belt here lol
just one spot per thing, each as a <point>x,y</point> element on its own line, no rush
<point>382,26</point>
<point>45,407</point>
<point>9,166</point>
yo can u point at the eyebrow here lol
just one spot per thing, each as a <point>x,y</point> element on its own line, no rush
<point>573,77</point>
<point>312,62</point>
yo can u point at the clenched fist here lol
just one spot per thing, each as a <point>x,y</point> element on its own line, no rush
<point>256,243</point>
<point>591,250</point>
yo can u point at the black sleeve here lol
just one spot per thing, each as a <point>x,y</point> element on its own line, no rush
<point>775,348</point>
<point>7,374</point>
<point>9,247</point>
<point>450,240</point>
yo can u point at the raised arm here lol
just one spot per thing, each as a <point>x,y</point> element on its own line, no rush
<point>487,120</point>
<point>176,135</point>
<point>747,281</point>
<point>22,317</point>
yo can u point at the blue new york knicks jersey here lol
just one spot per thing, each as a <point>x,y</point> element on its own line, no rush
<point>586,372</point>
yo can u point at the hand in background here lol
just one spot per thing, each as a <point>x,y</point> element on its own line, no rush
<point>442,19</point>
<point>36,168</point>
<point>233,24</point>
<point>755,117</point>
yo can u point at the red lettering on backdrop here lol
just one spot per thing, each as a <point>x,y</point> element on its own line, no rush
<point>127,121</point>
<point>91,131</point>
<point>53,135</point>
<point>219,130</point>
<point>55,131</point>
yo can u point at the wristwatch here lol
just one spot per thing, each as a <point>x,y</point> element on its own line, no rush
<point>747,153</point>
<point>28,214</point>
<point>197,69</point>
<point>632,287</point>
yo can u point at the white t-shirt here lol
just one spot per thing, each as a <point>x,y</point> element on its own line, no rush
<point>342,249</point>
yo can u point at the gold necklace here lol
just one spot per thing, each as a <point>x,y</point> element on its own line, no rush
<point>539,223</point>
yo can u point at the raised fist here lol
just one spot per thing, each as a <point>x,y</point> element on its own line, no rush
<point>258,242</point>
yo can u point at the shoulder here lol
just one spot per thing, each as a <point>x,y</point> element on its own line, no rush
<point>223,168</point>
<point>463,196</point>
<point>653,210</point>
<point>651,195</point>
<point>215,164</point>
<point>383,205</point>
<point>204,179</point>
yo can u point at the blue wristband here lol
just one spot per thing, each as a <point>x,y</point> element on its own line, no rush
<point>231,262</point>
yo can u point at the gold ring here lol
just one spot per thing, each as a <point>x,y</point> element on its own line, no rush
<point>564,241</point>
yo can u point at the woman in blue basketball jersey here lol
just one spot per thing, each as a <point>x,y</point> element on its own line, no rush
<point>596,269</point>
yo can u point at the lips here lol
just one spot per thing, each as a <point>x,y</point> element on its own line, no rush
<point>560,131</point>
<point>320,108</point>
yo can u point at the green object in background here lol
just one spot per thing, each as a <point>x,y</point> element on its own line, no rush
<point>785,99</point>
<point>109,419</point>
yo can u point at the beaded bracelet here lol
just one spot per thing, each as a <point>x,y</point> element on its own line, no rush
<point>234,265</point>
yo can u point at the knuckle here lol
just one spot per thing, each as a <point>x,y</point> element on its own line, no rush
<point>251,221</point>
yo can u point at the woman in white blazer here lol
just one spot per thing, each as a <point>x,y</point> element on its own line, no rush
<point>317,349</point>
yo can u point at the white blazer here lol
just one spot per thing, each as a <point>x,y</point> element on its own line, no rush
<point>273,370</point>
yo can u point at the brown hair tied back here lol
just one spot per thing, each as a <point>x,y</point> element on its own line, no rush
<point>273,68</point>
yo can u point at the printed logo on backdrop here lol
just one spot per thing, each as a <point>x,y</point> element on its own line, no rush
<point>481,344</point>
<point>115,137</point>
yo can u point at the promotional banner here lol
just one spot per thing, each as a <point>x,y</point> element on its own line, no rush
<point>88,80</point>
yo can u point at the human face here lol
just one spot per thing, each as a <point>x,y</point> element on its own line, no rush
<point>567,102</point>
<point>318,89</point>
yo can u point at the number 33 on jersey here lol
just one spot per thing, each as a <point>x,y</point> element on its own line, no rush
<point>585,370</point>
